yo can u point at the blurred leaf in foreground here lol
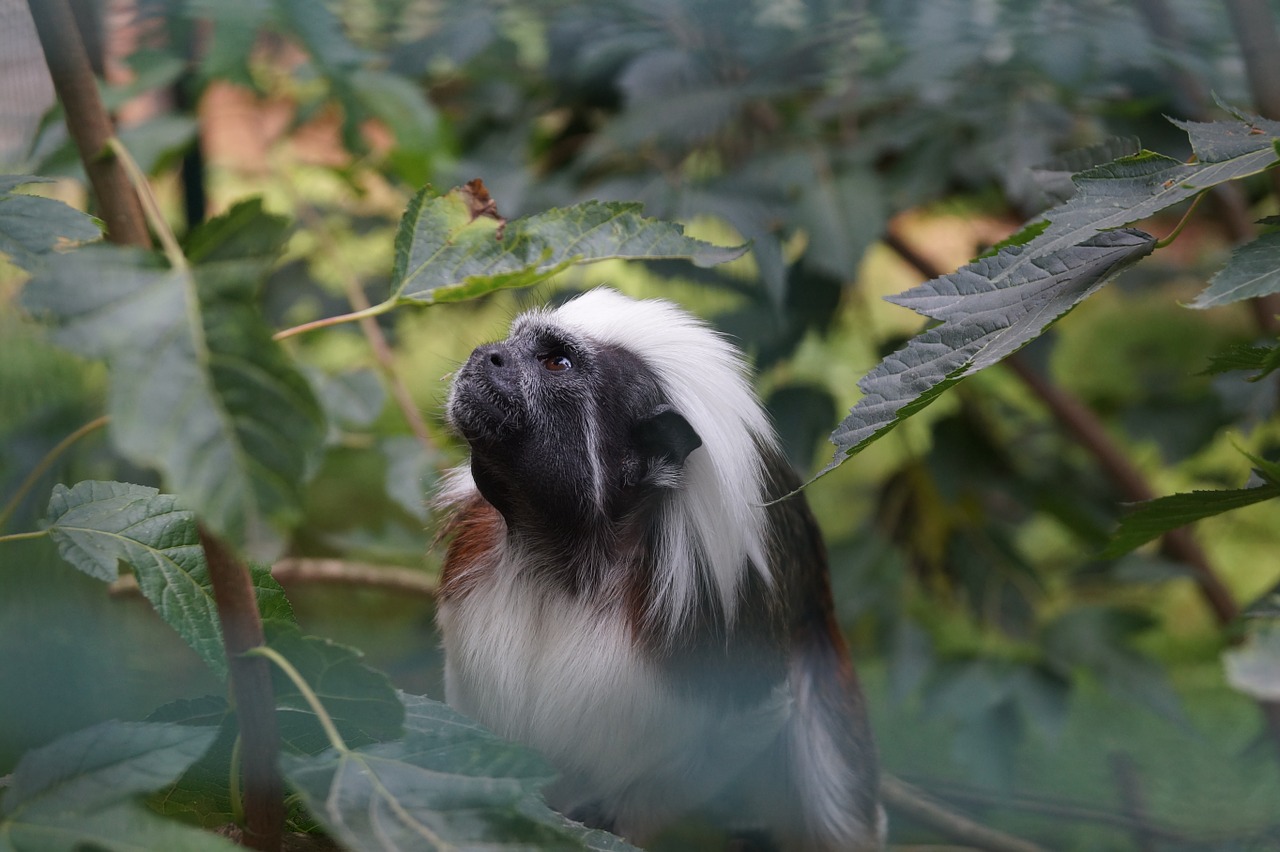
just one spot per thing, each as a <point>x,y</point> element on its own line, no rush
<point>81,791</point>
<point>197,387</point>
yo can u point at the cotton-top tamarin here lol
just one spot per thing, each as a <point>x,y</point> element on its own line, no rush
<point>620,594</point>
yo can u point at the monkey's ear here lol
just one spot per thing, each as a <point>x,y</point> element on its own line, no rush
<point>665,435</point>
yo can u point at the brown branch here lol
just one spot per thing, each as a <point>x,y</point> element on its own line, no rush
<point>338,572</point>
<point>87,120</point>
<point>919,806</point>
<point>1083,425</point>
<point>254,697</point>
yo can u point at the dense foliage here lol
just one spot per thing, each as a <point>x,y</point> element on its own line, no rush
<point>1032,657</point>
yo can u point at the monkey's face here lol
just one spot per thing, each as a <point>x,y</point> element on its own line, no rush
<point>564,432</point>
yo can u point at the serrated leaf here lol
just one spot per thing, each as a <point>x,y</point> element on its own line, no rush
<point>448,784</point>
<point>1252,271</point>
<point>32,226</point>
<point>1254,667</point>
<point>99,524</point>
<point>988,313</point>
<point>360,700</point>
<point>445,253</point>
<point>1241,356</point>
<point>992,307</point>
<point>197,387</point>
<point>1154,518</point>
<point>79,791</point>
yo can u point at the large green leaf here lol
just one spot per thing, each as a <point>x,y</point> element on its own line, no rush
<point>987,315</point>
<point>449,784</point>
<point>31,226</point>
<point>994,306</point>
<point>198,388</point>
<point>96,525</point>
<point>81,791</point>
<point>447,251</point>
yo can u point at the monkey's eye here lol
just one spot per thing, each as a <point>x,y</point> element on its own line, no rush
<point>556,362</point>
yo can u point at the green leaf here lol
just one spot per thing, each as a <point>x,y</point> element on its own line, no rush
<point>1241,356</point>
<point>1254,667</point>
<point>96,525</point>
<point>1252,271</point>
<point>1154,518</point>
<point>448,784</point>
<point>198,388</point>
<point>360,700</point>
<point>994,306</point>
<point>80,791</point>
<point>444,253</point>
<point>31,226</point>
<point>989,309</point>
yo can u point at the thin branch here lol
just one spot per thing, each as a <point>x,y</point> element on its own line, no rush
<point>1078,419</point>
<point>919,806</point>
<point>87,120</point>
<point>337,572</point>
<point>251,688</point>
<point>47,462</point>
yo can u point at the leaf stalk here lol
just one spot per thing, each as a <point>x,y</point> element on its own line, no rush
<point>172,251</point>
<point>313,700</point>
<point>1182,223</point>
<point>371,311</point>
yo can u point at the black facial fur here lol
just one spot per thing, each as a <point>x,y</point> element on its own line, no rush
<point>564,434</point>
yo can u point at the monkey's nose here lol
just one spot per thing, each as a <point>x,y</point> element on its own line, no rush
<point>492,356</point>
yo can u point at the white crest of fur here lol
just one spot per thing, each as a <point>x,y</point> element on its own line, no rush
<point>718,513</point>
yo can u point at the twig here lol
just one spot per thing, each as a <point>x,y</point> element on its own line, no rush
<point>338,572</point>
<point>87,120</point>
<point>45,463</point>
<point>919,806</point>
<point>254,697</point>
<point>1088,430</point>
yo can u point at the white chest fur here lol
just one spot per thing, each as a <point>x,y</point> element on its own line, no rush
<point>547,670</point>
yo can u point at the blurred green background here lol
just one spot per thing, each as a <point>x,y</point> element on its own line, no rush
<point>1012,671</point>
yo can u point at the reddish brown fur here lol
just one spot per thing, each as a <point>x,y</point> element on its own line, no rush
<point>474,532</point>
